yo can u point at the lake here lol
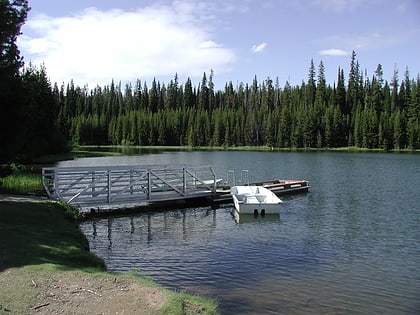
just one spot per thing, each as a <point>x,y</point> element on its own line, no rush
<point>351,245</point>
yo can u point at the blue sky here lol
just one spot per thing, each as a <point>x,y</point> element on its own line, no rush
<point>95,41</point>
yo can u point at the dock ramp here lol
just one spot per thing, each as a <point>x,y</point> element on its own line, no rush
<point>110,187</point>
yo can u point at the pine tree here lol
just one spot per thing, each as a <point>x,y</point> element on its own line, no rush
<point>12,16</point>
<point>211,96</point>
<point>394,90</point>
<point>320,94</point>
<point>413,125</point>
<point>173,93</point>
<point>154,97</point>
<point>399,130</point>
<point>385,132</point>
<point>404,96</point>
<point>189,99</point>
<point>311,86</point>
<point>353,81</point>
<point>377,90</point>
<point>203,93</point>
<point>39,118</point>
<point>341,93</point>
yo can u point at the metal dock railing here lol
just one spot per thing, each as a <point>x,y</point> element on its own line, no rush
<point>127,186</point>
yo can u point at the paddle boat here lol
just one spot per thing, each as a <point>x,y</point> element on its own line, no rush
<point>255,200</point>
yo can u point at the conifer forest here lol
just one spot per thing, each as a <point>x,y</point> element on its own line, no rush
<point>365,112</point>
<point>357,110</point>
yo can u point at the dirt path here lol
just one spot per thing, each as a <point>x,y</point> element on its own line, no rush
<point>74,292</point>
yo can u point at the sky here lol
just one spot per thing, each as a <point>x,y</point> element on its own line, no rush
<point>93,42</point>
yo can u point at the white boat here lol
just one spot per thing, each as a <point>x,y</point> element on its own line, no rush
<point>255,200</point>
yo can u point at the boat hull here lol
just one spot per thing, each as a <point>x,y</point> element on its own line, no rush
<point>255,200</point>
<point>251,218</point>
<point>259,208</point>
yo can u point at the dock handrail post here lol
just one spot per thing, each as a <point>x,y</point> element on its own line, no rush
<point>184,181</point>
<point>49,181</point>
<point>214,179</point>
<point>109,186</point>
<point>149,184</point>
<point>55,181</point>
<point>43,182</point>
<point>93,183</point>
<point>131,182</point>
<point>245,177</point>
<point>231,178</point>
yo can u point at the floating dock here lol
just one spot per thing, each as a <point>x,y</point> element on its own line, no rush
<point>279,187</point>
<point>116,187</point>
<point>130,188</point>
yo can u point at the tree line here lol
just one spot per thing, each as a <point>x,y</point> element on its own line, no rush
<point>366,112</point>
<point>39,118</point>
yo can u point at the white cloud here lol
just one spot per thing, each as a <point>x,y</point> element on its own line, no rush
<point>334,52</point>
<point>366,41</point>
<point>259,48</point>
<point>96,46</point>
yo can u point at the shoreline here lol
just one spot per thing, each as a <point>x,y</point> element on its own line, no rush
<point>46,267</point>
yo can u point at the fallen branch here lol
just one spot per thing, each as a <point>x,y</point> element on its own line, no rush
<point>39,306</point>
<point>93,292</point>
<point>87,290</point>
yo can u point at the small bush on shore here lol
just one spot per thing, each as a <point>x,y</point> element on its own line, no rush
<point>21,183</point>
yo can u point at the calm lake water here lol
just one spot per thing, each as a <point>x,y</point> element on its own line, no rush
<point>349,246</point>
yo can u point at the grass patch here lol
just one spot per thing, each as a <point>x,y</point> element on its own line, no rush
<point>179,303</point>
<point>21,183</point>
<point>182,304</point>
<point>38,233</point>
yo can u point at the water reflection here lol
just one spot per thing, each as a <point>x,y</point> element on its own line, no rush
<point>348,246</point>
<point>252,218</point>
<point>202,250</point>
<point>180,224</point>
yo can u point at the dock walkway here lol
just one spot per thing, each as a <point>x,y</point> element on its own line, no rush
<point>121,188</point>
<point>115,187</point>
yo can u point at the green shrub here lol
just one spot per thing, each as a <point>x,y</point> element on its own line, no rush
<point>21,183</point>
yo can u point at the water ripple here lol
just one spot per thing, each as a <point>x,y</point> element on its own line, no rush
<point>350,246</point>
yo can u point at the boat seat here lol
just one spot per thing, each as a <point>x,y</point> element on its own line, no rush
<point>241,197</point>
<point>261,198</point>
